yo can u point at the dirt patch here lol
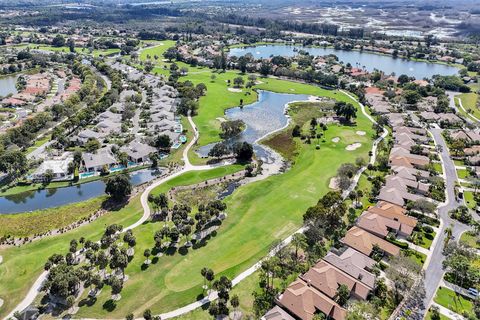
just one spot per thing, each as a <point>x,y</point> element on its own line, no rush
<point>353,146</point>
<point>361,133</point>
<point>234,90</point>
<point>336,139</point>
<point>333,184</point>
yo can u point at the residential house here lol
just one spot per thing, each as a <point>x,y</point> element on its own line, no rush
<point>277,313</point>
<point>97,161</point>
<point>304,302</point>
<point>327,278</point>
<point>364,242</point>
<point>138,152</point>
<point>57,167</point>
<point>355,264</point>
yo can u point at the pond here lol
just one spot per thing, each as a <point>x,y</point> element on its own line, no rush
<point>49,198</point>
<point>261,118</point>
<point>7,85</point>
<point>369,60</point>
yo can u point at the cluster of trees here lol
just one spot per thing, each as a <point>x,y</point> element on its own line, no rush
<point>327,216</point>
<point>118,187</point>
<point>207,215</point>
<point>189,95</point>
<point>243,151</point>
<point>67,274</point>
<point>453,83</point>
<point>346,110</point>
<point>462,214</point>
<point>459,265</point>
<point>231,128</point>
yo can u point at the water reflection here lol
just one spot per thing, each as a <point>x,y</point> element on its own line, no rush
<point>261,118</point>
<point>48,198</point>
<point>370,60</point>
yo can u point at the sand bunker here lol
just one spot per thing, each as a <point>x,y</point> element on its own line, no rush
<point>1,303</point>
<point>361,133</point>
<point>333,183</point>
<point>221,119</point>
<point>336,139</point>
<point>234,90</point>
<point>258,82</point>
<point>353,146</point>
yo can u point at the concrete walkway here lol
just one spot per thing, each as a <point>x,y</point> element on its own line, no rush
<point>448,313</point>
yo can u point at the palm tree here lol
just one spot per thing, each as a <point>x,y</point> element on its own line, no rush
<point>299,241</point>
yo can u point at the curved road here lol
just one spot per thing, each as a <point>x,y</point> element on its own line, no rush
<point>36,288</point>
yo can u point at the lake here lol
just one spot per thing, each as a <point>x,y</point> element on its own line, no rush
<point>49,198</point>
<point>371,61</point>
<point>7,85</point>
<point>261,118</point>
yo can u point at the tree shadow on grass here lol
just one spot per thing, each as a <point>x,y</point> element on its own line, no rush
<point>109,305</point>
<point>87,302</point>
<point>183,251</point>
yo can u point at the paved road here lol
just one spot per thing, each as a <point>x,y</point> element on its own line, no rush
<point>434,271</point>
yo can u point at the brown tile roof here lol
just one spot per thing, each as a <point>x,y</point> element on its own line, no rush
<point>364,241</point>
<point>305,301</point>
<point>354,263</point>
<point>327,278</point>
<point>397,213</point>
<point>277,313</point>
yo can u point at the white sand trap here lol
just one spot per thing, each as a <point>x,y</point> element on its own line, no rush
<point>353,146</point>
<point>1,303</point>
<point>292,89</point>
<point>258,82</point>
<point>336,139</point>
<point>234,90</point>
<point>361,133</point>
<point>313,99</point>
<point>221,119</point>
<point>333,183</point>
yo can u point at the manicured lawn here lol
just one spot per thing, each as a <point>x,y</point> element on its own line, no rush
<point>469,103</point>
<point>258,214</point>
<point>95,53</point>
<point>426,239</point>
<point>470,239</point>
<point>438,167</point>
<point>459,162</point>
<point>469,199</point>
<point>449,299</point>
<point>40,221</point>
<point>418,257</point>
<point>22,265</point>
<point>462,173</point>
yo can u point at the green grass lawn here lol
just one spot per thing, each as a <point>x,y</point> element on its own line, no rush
<point>449,299</point>
<point>438,167</point>
<point>95,52</point>
<point>462,173</point>
<point>40,221</point>
<point>22,265</point>
<point>258,215</point>
<point>426,239</point>
<point>470,239</point>
<point>459,163</point>
<point>469,199</point>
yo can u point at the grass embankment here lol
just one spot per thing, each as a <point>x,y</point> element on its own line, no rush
<point>453,301</point>
<point>469,102</point>
<point>41,221</point>
<point>258,215</point>
<point>22,265</point>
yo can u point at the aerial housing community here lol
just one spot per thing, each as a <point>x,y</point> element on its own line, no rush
<point>193,161</point>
